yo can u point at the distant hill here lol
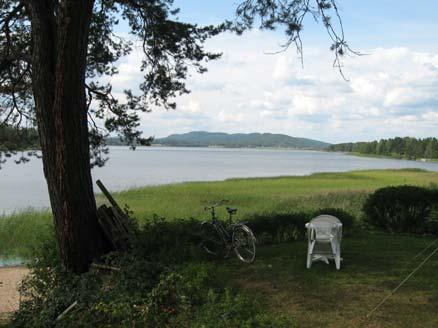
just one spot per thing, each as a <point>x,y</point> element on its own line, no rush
<point>239,140</point>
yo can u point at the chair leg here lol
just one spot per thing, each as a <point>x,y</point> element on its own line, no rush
<point>338,259</point>
<point>333,246</point>
<point>338,262</point>
<point>309,254</point>
<point>311,246</point>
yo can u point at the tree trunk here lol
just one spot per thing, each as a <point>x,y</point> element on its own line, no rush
<point>59,63</point>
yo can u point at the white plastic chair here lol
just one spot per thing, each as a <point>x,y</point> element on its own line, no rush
<point>324,240</point>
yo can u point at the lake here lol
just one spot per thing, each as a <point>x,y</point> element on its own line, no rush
<point>23,186</point>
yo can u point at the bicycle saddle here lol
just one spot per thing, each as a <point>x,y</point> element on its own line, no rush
<point>231,210</point>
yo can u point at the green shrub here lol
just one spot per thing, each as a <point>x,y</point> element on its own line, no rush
<point>278,227</point>
<point>147,291</point>
<point>286,227</point>
<point>169,241</point>
<point>402,209</point>
<point>158,285</point>
<point>176,241</point>
<point>347,219</point>
<point>432,220</point>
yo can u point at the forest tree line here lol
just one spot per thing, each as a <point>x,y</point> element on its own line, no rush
<point>13,139</point>
<point>407,147</point>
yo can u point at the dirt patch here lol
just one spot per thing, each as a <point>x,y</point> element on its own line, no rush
<point>10,280</point>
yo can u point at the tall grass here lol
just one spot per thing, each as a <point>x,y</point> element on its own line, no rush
<point>20,232</point>
<point>257,195</point>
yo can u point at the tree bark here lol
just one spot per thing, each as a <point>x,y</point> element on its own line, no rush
<point>59,63</point>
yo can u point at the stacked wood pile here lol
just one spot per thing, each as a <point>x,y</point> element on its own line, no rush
<point>114,221</point>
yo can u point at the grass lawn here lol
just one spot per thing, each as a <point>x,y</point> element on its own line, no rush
<point>373,265</point>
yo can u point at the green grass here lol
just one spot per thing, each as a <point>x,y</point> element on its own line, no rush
<point>19,233</point>
<point>260,195</point>
<point>373,265</point>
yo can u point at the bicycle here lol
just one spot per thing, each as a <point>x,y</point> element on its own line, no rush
<point>220,238</point>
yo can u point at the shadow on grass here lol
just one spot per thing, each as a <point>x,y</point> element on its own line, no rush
<point>374,263</point>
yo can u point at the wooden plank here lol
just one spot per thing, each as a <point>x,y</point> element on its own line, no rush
<point>101,215</point>
<point>109,197</point>
<point>104,267</point>
<point>114,216</point>
<point>104,222</point>
<point>118,232</point>
<point>114,221</point>
<point>67,310</point>
<point>122,221</point>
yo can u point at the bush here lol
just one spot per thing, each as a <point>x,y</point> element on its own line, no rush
<point>432,220</point>
<point>286,227</point>
<point>158,285</point>
<point>169,242</point>
<point>193,297</point>
<point>347,219</point>
<point>402,209</point>
<point>179,240</point>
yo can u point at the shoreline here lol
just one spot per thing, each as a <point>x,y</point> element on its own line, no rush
<point>229,147</point>
<point>220,148</point>
<point>421,160</point>
<point>155,166</point>
<point>47,209</point>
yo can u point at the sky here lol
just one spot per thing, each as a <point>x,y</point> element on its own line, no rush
<point>392,89</point>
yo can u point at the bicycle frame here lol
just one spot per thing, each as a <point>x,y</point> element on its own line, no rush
<point>224,228</point>
<point>224,231</point>
<point>228,233</point>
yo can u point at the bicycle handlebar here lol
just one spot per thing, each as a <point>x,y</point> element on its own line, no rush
<point>219,203</point>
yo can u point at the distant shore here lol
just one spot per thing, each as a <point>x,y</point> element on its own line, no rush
<point>232,147</point>
<point>389,157</point>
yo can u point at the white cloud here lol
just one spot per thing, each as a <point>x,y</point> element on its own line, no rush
<point>285,67</point>
<point>226,117</point>
<point>191,107</point>
<point>391,91</point>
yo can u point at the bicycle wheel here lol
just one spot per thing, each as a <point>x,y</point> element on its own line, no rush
<point>212,241</point>
<point>244,243</point>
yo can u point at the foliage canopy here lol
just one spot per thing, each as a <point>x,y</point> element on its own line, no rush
<point>170,49</point>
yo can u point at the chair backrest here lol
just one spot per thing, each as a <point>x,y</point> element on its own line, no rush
<point>324,225</point>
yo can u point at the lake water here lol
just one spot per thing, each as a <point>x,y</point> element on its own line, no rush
<point>23,186</point>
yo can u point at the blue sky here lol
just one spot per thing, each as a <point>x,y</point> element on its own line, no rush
<point>370,23</point>
<point>392,91</point>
